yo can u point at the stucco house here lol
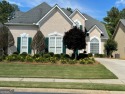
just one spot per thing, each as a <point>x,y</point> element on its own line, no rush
<point>119,37</point>
<point>53,22</point>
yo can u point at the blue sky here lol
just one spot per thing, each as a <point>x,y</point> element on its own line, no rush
<point>95,8</point>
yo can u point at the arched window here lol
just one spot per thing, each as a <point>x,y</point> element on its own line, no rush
<point>55,43</point>
<point>94,46</point>
<point>24,42</point>
<point>78,24</point>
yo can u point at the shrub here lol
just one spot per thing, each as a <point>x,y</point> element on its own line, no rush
<point>65,56</point>
<point>51,54</point>
<point>90,55</point>
<point>100,55</point>
<point>1,58</point>
<point>90,61</point>
<point>82,61</point>
<point>40,59</point>
<point>24,54</point>
<point>29,58</point>
<point>63,61</point>
<point>36,55</point>
<point>12,57</point>
<point>81,56</point>
<point>72,61</point>
<point>21,58</point>
<point>46,55</point>
<point>58,56</point>
<point>17,53</point>
<point>53,60</point>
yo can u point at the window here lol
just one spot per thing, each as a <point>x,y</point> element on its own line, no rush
<point>55,43</point>
<point>78,24</point>
<point>94,46</point>
<point>24,43</point>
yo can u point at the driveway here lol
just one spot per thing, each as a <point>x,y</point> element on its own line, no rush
<point>114,65</point>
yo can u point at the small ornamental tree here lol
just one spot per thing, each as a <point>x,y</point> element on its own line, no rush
<point>110,46</point>
<point>38,43</point>
<point>6,38</point>
<point>74,39</point>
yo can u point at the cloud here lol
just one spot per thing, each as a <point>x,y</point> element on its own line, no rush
<point>13,2</point>
<point>120,2</point>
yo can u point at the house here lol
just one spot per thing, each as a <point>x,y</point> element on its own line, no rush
<point>53,22</point>
<point>119,37</point>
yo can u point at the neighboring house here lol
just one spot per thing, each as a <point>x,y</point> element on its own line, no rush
<point>119,37</point>
<point>53,22</point>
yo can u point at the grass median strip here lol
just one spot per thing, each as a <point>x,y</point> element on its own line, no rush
<point>87,86</point>
<point>96,71</point>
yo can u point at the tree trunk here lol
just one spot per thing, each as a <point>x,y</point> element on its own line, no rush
<point>75,53</point>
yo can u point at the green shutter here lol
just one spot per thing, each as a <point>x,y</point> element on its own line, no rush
<point>64,49</point>
<point>29,45</point>
<point>18,44</point>
<point>81,27</point>
<point>46,44</point>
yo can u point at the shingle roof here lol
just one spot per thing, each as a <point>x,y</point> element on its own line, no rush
<point>35,14</point>
<point>92,22</point>
<point>122,21</point>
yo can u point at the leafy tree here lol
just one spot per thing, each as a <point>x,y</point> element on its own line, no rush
<point>16,8</point>
<point>70,10</point>
<point>122,14</point>
<point>74,39</point>
<point>112,19</point>
<point>6,10</point>
<point>38,43</point>
<point>110,46</point>
<point>6,38</point>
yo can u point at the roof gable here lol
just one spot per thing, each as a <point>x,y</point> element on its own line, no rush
<point>94,28</point>
<point>56,6</point>
<point>77,11</point>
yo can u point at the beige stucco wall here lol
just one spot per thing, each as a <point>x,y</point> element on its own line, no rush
<point>56,22</point>
<point>78,17</point>
<point>17,30</point>
<point>120,39</point>
<point>97,34</point>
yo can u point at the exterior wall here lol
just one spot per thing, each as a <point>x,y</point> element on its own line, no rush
<point>95,33</point>
<point>55,23</point>
<point>119,38</point>
<point>78,17</point>
<point>17,30</point>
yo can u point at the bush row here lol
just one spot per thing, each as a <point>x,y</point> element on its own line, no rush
<point>47,58</point>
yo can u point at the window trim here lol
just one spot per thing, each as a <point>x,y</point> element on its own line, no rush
<point>78,22</point>
<point>56,35</point>
<point>90,45</point>
<point>21,36</point>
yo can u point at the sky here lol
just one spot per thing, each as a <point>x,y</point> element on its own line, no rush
<point>95,8</point>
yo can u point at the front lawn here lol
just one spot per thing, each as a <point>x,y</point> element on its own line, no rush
<point>96,71</point>
<point>87,86</point>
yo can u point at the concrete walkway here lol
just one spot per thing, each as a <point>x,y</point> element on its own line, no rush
<point>59,91</point>
<point>114,65</point>
<point>104,81</point>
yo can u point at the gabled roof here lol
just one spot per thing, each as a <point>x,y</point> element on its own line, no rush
<point>91,22</point>
<point>77,11</point>
<point>122,21</point>
<point>33,15</point>
<point>48,13</point>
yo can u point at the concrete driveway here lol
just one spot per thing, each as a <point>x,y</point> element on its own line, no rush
<point>114,65</point>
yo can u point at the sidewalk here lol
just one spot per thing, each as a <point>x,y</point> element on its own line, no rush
<point>103,81</point>
<point>59,91</point>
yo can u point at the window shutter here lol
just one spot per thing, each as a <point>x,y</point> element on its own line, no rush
<point>46,44</point>
<point>64,49</point>
<point>29,45</point>
<point>81,27</point>
<point>18,44</point>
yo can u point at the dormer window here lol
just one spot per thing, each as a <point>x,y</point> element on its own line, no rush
<point>78,24</point>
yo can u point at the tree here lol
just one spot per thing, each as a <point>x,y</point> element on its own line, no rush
<point>112,19</point>
<point>110,46</point>
<point>16,8</point>
<point>6,10</point>
<point>6,38</point>
<point>74,39</point>
<point>38,43</point>
<point>70,10</point>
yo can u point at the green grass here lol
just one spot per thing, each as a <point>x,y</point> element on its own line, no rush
<point>87,86</point>
<point>96,71</point>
